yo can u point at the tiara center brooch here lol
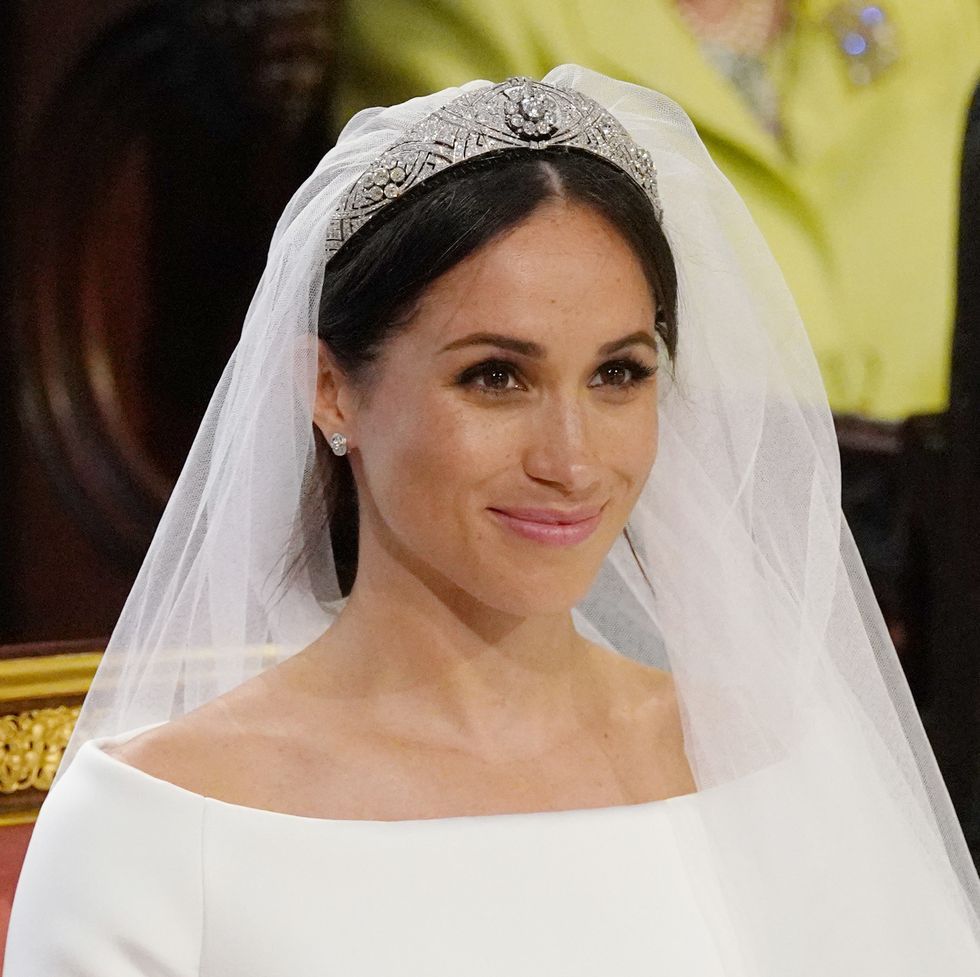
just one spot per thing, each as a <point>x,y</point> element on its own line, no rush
<point>520,113</point>
<point>533,116</point>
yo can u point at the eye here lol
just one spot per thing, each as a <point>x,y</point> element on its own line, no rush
<point>625,374</point>
<point>494,373</point>
<point>492,377</point>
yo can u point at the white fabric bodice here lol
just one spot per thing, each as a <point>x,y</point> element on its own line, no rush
<point>130,875</point>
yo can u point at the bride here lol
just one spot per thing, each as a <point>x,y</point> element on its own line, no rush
<point>496,391</point>
<point>503,619</point>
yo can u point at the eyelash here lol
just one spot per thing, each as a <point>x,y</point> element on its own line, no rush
<point>640,373</point>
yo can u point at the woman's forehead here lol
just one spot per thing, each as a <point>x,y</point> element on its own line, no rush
<point>564,269</point>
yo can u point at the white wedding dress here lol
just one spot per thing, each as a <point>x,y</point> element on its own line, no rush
<point>131,876</point>
<point>128,875</point>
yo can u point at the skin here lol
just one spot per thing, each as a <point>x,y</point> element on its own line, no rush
<point>719,11</point>
<point>454,682</point>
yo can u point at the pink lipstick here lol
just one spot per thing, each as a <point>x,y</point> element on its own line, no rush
<point>551,526</point>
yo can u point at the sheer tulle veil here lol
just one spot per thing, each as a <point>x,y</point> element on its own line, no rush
<point>852,860</point>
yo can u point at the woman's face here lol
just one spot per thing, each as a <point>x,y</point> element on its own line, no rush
<point>521,383</point>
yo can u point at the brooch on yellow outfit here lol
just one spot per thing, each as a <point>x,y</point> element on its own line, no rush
<point>866,37</point>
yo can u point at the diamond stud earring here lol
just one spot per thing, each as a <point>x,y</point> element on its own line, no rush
<point>338,443</point>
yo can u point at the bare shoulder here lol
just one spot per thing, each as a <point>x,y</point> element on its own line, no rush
<point>649,710</point>
<point>253,746</point>
<point>647,703</point>
<point>196,751</point>
<point>655,701</point>
<point>634,683</point>
<point>216,749</point>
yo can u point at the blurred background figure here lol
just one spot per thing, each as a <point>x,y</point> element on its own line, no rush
<point>840,123</point>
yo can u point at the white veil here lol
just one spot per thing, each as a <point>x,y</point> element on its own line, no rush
<point>851,860</point>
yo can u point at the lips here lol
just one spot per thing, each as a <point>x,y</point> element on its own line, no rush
<point>552,516</point>
<point>551,526</point>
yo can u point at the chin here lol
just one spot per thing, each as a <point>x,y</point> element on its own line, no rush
<point>528,605</point>
<point>542,592</point>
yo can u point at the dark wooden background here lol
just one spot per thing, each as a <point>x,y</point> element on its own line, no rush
<point>151,148</point>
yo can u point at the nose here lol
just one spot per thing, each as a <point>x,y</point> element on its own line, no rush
<point>561,447</point>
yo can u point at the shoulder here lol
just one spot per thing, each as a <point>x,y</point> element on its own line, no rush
<point>112,812</point>
<point>116,861</point>
<point>245,747</point>
<point>650,696</point>
<point>632,683</point>
<point>646,708</point>
<point>199,752</point>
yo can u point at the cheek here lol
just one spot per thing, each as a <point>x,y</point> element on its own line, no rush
<point>427,456</point>
<point>650,441</point>
<point>647,449</point>
<point>632,458</point>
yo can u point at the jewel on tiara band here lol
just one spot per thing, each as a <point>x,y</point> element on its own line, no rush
<point>518,113</point>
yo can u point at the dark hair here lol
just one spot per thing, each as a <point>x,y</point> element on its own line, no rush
<point>372,285</point>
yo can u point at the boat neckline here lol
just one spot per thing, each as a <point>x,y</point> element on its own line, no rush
<point>95,747</point>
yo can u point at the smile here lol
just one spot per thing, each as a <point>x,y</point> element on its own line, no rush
<point>549,532</point>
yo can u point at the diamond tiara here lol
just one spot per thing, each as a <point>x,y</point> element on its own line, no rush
<point>519,113</point>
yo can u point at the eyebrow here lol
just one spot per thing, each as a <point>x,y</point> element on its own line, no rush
<point>533,350</point>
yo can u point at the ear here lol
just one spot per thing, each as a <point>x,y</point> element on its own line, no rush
<point>331,406</point>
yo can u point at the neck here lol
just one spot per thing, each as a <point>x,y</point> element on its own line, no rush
<point>427,660</point>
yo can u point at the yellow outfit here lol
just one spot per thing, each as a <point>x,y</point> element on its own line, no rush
<point>857,198</point>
